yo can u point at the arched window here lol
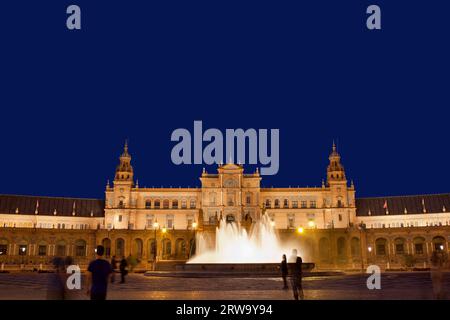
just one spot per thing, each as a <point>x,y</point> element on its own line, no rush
<point>157,204</point>
<point>3,247</point>
<point>148,204</point>
<point>277,203</point>
<point>166,204</point>
<point>61,248</point>
<point>42,248</point>
<point>80,248</point>
<point>286,203</point>
<point>381,246</point>
<point>175,204</point>
<point>399,246</point>
<point>439,243</point>
<point>192,204</point>
<point>268,203</point>
<point>419,245</point>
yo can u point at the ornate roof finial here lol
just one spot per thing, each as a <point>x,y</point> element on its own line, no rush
<point>334,146</point>
<point>137,183</point>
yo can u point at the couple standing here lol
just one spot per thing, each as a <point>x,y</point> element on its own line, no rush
<point>294,268</point>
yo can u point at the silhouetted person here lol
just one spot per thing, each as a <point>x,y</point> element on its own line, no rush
<point>295,266</point>
<point>123,269</point>
<point>98,275</point>
<point>57,281</point>
<point>284,271</point>
<point>438,262</point>
<point>114,268</point>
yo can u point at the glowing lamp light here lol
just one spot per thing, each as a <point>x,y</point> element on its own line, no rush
<point>300,230</point>
<point>164,230</point>
<point>194,225</point>
<point>369,248</point>
<point>272,223</point>
<point>23,249</point>
<point>311,224</point>
<point>441,247</point>
<point>156,225</point>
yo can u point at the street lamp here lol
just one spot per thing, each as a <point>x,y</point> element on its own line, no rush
<point>23,249</point>
<point>192,251</point>
<point>300,230</point>
<point>155,226</point>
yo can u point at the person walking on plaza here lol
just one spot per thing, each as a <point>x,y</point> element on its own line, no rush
<point>114,268</point>
<point>438,262</point>
<point>98,275</point>
<point>295,264</point>
<point>123,269</point>
<point>284,271</point>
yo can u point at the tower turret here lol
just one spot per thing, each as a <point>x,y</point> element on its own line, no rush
<point>124,171</point>
<point>335,170</point>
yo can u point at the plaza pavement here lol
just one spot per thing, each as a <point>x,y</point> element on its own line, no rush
<point>413,285</point>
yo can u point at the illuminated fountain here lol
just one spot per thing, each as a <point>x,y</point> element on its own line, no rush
<point>234,245</point>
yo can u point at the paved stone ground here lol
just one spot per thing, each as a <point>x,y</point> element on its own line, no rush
<point>415,285</point>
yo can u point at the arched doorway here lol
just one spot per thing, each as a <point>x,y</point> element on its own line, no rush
<point>167,248</point>
<point>120,248</point>
<point>138,246</point>
<point>355,247</point>
<point>180,248</point>
<point>106,243</point>
<point>341,248</point>
<point>324,249</point>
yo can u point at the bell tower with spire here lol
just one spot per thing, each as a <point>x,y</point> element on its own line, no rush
<point>124,171</point>
<point>119,197</point>
<point>342,197</point>
<point>335,170</point>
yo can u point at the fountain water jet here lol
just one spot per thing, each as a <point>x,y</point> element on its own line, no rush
<point>234,245</point>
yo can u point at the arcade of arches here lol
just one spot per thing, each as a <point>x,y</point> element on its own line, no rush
<point>338,249</point>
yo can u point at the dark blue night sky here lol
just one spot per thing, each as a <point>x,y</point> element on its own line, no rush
<point>139,70</point>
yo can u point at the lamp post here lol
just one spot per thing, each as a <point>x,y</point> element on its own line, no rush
<point>164,231</point>
<point>193,246</point>
<point>155,227</point>
<point>361,228</point>
<point>23,249</point>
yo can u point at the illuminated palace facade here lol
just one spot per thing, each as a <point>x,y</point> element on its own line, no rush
<point>335,229</point>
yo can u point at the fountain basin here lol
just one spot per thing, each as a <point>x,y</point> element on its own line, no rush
<point>266,268</point>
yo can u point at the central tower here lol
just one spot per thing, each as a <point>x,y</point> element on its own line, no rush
<point>230,194</point>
